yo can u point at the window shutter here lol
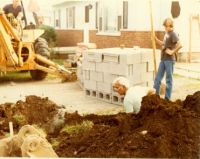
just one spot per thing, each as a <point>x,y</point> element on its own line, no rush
<point>175,9</point>
<point>119,25</point>
<point>125,14</point>
<point>100,23</point>
<point>86,14</point>
<point>67,18</point>
<point>97,14</point>
<point>59,18</point>
<point>74,18</point>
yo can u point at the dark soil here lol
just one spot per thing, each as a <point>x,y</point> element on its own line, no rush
<point>34,110</point>
<point>173,128</point>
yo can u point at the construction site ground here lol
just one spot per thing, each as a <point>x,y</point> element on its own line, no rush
<point>72,97</point>
<point>161,129</point>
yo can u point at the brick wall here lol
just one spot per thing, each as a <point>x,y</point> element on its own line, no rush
<point>69,37</point>
<point>128,38</point>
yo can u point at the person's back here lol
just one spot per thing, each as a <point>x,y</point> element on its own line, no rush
<point>133,98</point>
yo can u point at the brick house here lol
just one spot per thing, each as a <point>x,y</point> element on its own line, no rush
<point>112,23</point>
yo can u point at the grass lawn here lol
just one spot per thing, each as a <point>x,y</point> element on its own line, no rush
<point>25,75</point>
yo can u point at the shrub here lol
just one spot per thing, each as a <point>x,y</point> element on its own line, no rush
<point>49,35</point>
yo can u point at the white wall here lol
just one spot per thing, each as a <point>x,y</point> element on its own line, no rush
<point>139,17</point>
<point>79,14</point>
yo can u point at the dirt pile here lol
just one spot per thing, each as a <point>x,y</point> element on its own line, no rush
<point>161,129</point>
<point>34,110</point>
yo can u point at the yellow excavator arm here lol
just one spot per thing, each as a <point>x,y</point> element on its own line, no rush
<point>18,53</point>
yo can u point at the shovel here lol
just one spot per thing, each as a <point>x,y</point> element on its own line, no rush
<point>163,86</point>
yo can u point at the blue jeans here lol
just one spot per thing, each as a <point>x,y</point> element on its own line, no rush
<point>168,67</point>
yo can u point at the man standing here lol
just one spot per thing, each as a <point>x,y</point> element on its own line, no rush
<point>170,46</point>
<point>14,9</point>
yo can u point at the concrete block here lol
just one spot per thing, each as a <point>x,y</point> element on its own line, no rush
<point>86,65</point>
<point>122,70</point>
<point>135,79</point>
<point>86,75</point>
<point>150,84</point>
<point>104,87</point>
<point>103,67</point>
<point>143,84</point>
<point>111,57</point>
<point>92,85</point>
<point>79,71</point>
<point>93,55</point>
<point>147,56</point>
<point>109,78</point>
<point>117,99</point>
<point>127,70</point>
<point>130,58</point>
<point>91,93</point>
<point>107,97</point>
<point>148,76</point>
<point>96,76</point>
<point>80,78</point>
<point>150,66</point>
<point>80,84</point>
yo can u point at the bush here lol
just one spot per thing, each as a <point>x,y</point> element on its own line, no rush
<point>49,35</point>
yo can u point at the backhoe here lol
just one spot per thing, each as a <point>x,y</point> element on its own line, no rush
<point>25,50</point>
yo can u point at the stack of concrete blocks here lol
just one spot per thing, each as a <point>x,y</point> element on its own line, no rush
<point>101,66</point>
<point>80,50</point>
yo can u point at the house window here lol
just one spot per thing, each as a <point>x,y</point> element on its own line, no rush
<point>70,17</point>
<point>112,18</point>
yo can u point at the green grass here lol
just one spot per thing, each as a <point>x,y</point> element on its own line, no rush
<point>24,76</point>
<point>58,61</point>
<point>19,118</point>
<point>78,128</point>
<point>55,143</point>
<point>16,76</point>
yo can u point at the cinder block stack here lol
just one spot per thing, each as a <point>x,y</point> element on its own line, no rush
<point>81,49</point>
<point>101,66</point>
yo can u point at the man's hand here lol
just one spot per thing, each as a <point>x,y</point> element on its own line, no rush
<point>169,52</point>
<point>10,15</point>
<point>159,42</point>
<point>151,91</point>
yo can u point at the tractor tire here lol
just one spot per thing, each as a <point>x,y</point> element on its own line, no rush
<point>41,48</point>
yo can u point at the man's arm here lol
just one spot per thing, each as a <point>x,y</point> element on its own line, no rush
<point>159,42</point>
<point>19,16</point>
<point>175,50</point>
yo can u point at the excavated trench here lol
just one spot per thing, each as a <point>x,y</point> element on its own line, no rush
<point>161,129</point>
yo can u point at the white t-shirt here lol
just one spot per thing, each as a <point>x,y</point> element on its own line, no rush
<point>133,98</point>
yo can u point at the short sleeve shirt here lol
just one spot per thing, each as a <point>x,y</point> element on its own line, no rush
<point>169,42</point>
<point>9,9</point>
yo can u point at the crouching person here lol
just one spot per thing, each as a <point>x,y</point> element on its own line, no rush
<point>133,95</point>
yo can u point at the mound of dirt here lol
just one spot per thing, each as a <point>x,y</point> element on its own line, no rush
<point>34,110</point>
<point>160,129</point>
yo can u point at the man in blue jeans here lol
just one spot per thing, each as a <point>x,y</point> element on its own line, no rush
<point>170,46</point>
